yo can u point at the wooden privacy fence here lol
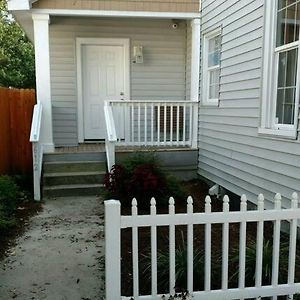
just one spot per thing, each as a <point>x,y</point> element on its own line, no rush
<point>114,222</point>
<point>16,108</point>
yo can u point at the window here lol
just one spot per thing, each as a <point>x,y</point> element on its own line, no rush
<point>281,69</point>
<point>211,68</point>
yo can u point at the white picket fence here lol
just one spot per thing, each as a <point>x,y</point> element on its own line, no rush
<point>114,223</point>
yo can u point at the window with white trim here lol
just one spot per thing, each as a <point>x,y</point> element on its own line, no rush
<point>211,67</point>
<point>280,97</point>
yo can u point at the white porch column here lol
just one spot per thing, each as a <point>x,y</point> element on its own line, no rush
<point>195,75</point>
<point>43,87</point>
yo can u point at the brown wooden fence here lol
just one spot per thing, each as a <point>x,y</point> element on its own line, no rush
<point>16,108</point>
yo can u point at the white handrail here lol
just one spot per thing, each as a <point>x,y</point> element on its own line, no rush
<point>110,123</point>
<point>37,149</point>
<point>36,123</point>
<point>111,135</point>
<point>152,101</point>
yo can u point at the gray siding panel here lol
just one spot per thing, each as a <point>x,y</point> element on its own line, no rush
<point>232,153</point>
<point>162,76</point>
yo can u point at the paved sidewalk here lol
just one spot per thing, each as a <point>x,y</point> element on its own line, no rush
<point>60,256</point>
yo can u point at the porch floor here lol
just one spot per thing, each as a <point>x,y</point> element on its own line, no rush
<point>81,148</point>
<point>100,147</point>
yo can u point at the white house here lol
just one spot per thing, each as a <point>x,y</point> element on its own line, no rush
<point>218,76</point>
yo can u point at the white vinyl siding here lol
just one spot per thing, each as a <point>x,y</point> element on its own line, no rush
<point>232,153</point>
<point>161,76</point>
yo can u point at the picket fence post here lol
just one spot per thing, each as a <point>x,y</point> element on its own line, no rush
<point>113,249</point>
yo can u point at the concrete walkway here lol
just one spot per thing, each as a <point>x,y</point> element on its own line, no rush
<point>61,255</point>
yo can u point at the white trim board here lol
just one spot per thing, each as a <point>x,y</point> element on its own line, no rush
<point>205,69</point>
<point>105,42</point>
<point>18,5</point>
<point>115,13</point>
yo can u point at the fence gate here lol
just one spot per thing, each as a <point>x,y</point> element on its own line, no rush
<point>114,223</point>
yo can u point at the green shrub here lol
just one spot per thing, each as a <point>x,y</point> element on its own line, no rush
<point>9,194</point>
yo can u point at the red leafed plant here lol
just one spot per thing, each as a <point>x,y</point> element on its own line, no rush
<point>147,181</point>
<point>139,177</point>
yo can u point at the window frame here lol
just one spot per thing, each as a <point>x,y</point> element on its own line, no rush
<point>271,54</point>
<point>206,101</point>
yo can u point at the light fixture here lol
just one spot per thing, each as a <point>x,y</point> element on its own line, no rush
<point>138,56</point>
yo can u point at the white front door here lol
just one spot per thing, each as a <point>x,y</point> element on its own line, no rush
<point>103,79</point>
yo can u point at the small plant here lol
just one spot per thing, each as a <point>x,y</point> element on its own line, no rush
<point>267,262</point>
<point>181,264</point>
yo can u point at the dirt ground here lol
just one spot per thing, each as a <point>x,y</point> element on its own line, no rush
<point>60,255</point>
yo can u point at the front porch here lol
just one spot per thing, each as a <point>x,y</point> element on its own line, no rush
<point>73,104</point>
<point>148,102</point>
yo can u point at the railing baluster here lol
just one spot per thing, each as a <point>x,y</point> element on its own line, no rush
<point>139,123</point>
<point>190,247</point>
<point>242,255</point>
<point>135,252</point>
<point>276,244</point>
<point>165,124</point>
<point>292,244</point>
<point>225,246</point>
<point>152,124</point>
<point>172,248</point>
<point>158,124</point>
<point>146,123</point>
<point>191,125</point>
<point>177,125</point>
<point>153,251</point>
<point>132,123</point>
<point>184,124</point>
<point>259,244</point>
<point>171,125</point>
<point>207,281</point>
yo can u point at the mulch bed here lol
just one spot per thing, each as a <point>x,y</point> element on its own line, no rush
<point>23,214</point>
<point>198,190</point>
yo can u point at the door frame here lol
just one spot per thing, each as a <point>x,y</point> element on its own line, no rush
<point>125,43</point>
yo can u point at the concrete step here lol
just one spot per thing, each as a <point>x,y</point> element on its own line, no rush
<point>72,190</point>
<point>74,166</point>
<point>52,179</point>
<point>76,156</point>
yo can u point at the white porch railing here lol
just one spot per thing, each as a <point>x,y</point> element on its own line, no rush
<point>37,149</point>
<point>111,139</point>
<point>152,123</point>
<point>114,223</point>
